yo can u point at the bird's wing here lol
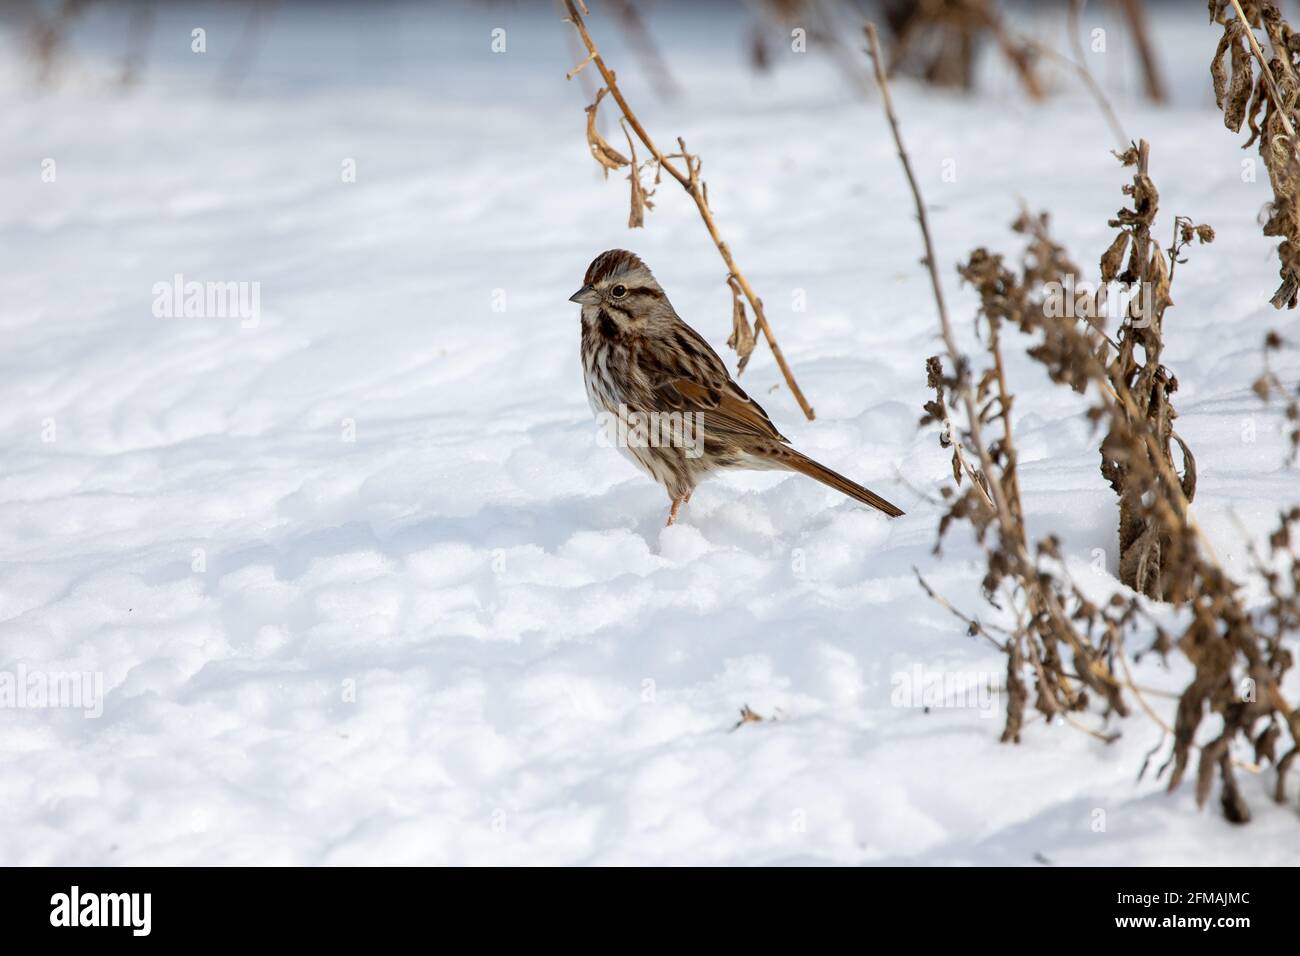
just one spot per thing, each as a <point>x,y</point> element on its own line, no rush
<point>687,375</point>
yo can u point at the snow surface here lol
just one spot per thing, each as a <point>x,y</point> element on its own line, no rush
<point>465,636</point>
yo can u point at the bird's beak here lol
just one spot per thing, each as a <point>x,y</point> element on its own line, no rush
<point>585,296</point>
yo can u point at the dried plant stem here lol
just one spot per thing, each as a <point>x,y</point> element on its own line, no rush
<point>1141,699</point>
<point>958,25</point>
<point>640,40</point>
<point>240,61</point>
<point>1080,63</point>
<point>949,337</point>
<point>1012,471</point>
<point>973,625</point>
<point>1121,140</point>
<point>963,461</point>
<point>1267,73</point>
<point>1137,22</point>
<point>1041,600</point>
<point>139,31</point>
<point>689,181</point>
<point>1027,75</point>
<point>1080,725</point>
<point>1121,394</point>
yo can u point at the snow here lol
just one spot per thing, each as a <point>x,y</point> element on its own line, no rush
<point>360,581</point>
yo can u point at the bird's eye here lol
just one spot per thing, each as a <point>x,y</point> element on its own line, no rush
<point>618,291</point>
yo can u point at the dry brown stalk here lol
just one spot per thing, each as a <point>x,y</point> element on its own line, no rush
<point>1224,640</point>
<point>823,31</point>
<point>1137,21</point>
<point>1269,385</point>
<point>937,410</point>
<point>1080,63</point>
<point>643,44</point>
<point>1266,74</point>
<point>1136,371</point>
<point>1011,559</point>
<point>240,61</point>
<point>690,181</point>
<point>139,32</point>
<point>640,200</point>
<point>995,494</point>
<point>1242,98</point>
<point>973,625</point>
<point>950,30</point>
<point>47,35</point>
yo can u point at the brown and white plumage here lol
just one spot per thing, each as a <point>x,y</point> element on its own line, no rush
<point>637,354</point>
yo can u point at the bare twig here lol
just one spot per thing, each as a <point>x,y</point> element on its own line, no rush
<point>1137,22</point>
<point>973,625</point>
<point>1015,56</point>
<point>640,40</point>
<point>1080,63</point>
<point>1080,725</point>
<point>138,31</point>
<point>240,61</point>
<point>949,337</point>
<point>690,181</point>
<point>1043,601</point>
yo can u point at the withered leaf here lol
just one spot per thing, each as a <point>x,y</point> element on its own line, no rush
<point>1189,467</point>
<point>1266,744</point>
<point>605,154</point>
<point>1128,158</point>
<point>640,200</point>
<point>1219,70</point>
<point>742,335</point>
<point>1233,803</point>
<point>1209,762</point>
<point>1234,113</point>
<point>1160,281</point>
<point>1113,256</point>
<point>934,373</point>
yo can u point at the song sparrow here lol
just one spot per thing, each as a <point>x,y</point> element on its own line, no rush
<point>642,362</point>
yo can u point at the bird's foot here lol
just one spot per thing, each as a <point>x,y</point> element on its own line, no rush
<point>677,506</point>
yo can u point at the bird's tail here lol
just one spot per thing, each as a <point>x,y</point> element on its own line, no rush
<point>796,461</point>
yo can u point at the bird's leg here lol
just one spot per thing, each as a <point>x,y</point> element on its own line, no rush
<point>672,513</point>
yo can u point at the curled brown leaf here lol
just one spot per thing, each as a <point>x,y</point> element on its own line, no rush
<point>605,154</point>
<point>742,335</point>
<point>640,199</point>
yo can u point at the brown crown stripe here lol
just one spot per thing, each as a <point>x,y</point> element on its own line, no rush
<point>612,263</point>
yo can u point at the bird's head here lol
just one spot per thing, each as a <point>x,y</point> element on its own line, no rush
<point>618,281</point>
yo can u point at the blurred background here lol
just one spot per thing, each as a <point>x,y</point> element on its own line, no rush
<point>260,45</point>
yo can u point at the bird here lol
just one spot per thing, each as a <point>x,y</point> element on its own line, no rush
<point>666,395</point>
